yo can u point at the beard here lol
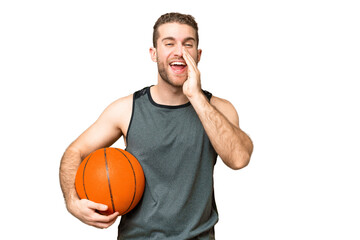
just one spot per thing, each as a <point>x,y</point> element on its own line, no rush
<point>166,75</point>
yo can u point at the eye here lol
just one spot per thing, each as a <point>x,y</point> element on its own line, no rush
<point>169,44</point>
<point>188,45</point>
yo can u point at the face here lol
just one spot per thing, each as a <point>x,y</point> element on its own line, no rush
<point>168,53</point>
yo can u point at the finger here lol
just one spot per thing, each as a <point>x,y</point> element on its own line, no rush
<point>114,215</point>
<point>104,225</point>
<point>111,218</point>
<point>114,220</point>
<point>97,206</point>
<point>101,225</point>
<point>188,59</point>
<point>105,221</point>
<point>187,55</point>
<point>104,218</point>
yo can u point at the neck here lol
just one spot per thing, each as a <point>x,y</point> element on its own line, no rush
<point>166,94</point>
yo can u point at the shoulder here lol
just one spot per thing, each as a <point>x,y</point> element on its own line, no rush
<point>122,103</point>
<point>119,111</point>
<point>226,108</point>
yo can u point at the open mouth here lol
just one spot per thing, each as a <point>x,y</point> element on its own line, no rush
<point>178,66</point>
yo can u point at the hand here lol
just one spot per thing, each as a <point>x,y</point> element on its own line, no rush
<point>85,211</point>
<point>192,86</point>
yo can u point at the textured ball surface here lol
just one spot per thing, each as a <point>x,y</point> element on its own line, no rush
<point>113,177</point>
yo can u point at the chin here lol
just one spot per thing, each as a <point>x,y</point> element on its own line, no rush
<point>178,82</point>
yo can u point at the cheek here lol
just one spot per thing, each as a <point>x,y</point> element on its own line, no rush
<point>195,57</point>
<point>161,57</point>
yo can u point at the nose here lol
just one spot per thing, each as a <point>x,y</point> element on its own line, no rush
<point>178,50</point>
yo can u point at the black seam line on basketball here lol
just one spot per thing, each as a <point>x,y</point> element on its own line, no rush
<point>132,201</point>
<point>84,176</point>
<point>108,177</point>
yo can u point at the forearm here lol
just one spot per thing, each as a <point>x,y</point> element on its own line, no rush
<point>84,210</point>
<point>229,141</point>
<point>68,168</point>
<point>222,127</point>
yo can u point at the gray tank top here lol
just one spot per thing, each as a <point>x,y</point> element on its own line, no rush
<point>178,162</point>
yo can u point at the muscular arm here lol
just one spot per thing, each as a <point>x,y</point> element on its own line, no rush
<point>220,120</point>
<point>103,133</point>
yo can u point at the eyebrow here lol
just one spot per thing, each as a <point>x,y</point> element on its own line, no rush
<point>173,39</point>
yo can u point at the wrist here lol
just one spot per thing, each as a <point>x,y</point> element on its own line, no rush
<point>71,202</point>
<point>198,99</point>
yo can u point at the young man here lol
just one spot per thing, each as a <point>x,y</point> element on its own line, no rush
<point>175,130</point>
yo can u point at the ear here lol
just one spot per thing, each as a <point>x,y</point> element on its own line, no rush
<point>153,54</point>
<point>199,55</point>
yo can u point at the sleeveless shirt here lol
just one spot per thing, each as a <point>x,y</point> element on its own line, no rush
<point>178,162</point>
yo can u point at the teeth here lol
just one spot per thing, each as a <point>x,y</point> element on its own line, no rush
<point>178,63</point>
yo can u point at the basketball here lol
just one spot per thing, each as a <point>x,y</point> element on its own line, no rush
<point>113,177</point>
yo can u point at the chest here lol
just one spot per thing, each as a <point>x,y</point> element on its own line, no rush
<point>161,129</point>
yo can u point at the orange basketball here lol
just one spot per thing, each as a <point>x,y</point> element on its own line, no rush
<point>113,177</point>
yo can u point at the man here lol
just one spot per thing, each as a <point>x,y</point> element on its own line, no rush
<point>175,130</point>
